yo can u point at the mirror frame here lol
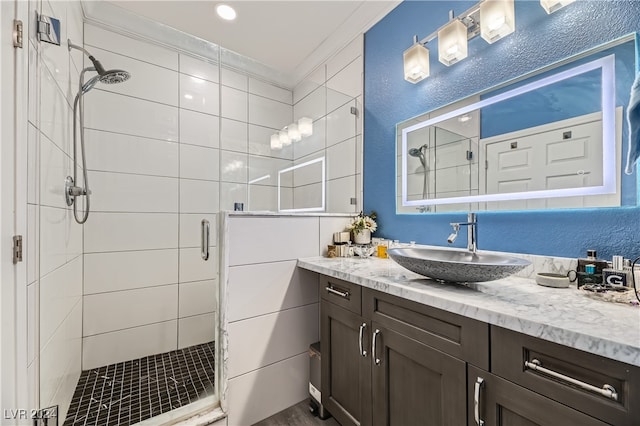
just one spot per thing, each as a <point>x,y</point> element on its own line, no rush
<point>607,66</point>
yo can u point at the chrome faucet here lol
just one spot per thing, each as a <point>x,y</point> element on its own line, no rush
<point>472,235</point>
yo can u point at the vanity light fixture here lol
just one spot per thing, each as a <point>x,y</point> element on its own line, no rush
<point>416,62</point>
<point>294,132</point>
<point>497,19</point>
<point>452,41</point>
<point>305,125</point>
<point>551,6</point>
<point>275,142</point>
<point>284,137</point>
<point>491,19</point>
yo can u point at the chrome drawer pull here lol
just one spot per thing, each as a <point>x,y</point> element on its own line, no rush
<point>204,240</point>
<point>606,390</point>
<point>373,347</point>
<point>363,352</point>
<point>344,294</point>
<point>476,401</point>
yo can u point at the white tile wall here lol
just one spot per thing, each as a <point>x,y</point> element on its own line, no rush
<point>265,288</point>
<point>118,346</point>
<point>294,238</point>
<point>266,339</point>
<point>198,196</point>
<point>233,135</point>
<point>199,95</point>
<point>148,52</point>
<point>120,310</point>
<point>269,113</point>
<point>194,268</point>
<point>200,69</point>
<point>272,309</point>
<point>115,271</point>
<point>270,91</point>
<point>53,240</point>
<point>145,78</point>
<point>252,397</point>
<point>199,129</point>
<point>234,103</point>
<point>197,298</point>
<point>113,152</point>
<point>231,193</point>
<point>196,330</point>
<point>117,192</point>
<point>197,162</point>
<point>61,290</point>
<point>130,231</point>
<point>123,114</point>
<point>234,79</point>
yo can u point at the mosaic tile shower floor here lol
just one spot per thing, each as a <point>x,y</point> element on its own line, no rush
<point>129,392</point>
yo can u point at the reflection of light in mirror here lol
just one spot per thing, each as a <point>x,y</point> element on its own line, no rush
<point>606,65</point>
<point>233,166</point>
<point>320,160</point>
<point>275,142</point>
<point>260,179</point>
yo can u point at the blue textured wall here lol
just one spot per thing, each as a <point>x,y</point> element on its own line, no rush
<point>539,40</point>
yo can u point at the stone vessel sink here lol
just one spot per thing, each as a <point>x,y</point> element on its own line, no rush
<point>457,265</point>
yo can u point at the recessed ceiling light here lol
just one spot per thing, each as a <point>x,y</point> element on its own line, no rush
<point>226,12</point>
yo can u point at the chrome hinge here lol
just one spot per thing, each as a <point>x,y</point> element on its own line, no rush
<point>17,249</point>
<point>48,29</point>
<point>17,33</point>
<point>354,111</point>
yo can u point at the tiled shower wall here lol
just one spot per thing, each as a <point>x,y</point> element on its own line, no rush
<point>54,239</point>
<point>328,96</point>
<point>172,146</point>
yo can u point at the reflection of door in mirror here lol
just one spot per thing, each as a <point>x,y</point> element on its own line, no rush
<point>559,155</point>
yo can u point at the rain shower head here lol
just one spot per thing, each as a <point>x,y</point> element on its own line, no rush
<point>104,76</point>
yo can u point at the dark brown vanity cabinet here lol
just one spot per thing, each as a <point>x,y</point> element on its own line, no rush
<point>390,361</point>
<point>547,383</point>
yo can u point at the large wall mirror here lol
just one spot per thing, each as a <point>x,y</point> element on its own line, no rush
<point>550,139</point>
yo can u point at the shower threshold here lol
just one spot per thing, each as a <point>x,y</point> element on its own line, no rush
<point>132,391</point>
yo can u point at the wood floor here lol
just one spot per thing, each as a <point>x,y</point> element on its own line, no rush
<point>298,415</point>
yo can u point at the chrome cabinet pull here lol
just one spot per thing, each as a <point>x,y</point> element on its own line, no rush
<point>374,353</point>
<point>363,352</point>
<point>344,294</point>
<point>476,401</point>
<point>204,239</point>
<point>606,390</point>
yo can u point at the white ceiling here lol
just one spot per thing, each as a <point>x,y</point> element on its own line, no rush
<point>292,37</point>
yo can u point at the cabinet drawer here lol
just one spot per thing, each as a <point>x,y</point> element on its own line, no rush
<point>459,336</point>
<point>567,375</point>
<point>344,294</point>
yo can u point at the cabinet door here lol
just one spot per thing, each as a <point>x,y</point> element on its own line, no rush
<point>346,372</point>
<point>501,402</point>
<point>415,384</point>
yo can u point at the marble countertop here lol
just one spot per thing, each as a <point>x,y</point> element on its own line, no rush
<point>564,316</point>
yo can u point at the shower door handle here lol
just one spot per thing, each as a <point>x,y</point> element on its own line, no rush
<point>204,240</point>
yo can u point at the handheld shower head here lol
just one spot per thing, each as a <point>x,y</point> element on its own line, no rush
<point>415,152</point>
<point>114,76</point>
